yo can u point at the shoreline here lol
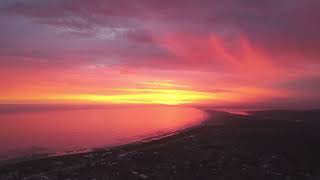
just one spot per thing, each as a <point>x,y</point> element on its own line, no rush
<point>135,140</point>
<point>43,156</point>
<point>265,145</point>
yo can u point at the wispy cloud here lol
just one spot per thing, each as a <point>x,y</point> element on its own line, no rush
<point>52,47</point>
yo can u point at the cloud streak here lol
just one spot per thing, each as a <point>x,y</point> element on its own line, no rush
<point>241,46</point>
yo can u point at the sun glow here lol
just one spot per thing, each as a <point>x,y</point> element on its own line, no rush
<point>165,92</point>
<point>144,96</point>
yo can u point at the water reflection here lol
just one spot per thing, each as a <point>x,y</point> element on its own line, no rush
<point>67,130</point>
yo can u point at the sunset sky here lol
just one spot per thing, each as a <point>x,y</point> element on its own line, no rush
<point>239,53</point>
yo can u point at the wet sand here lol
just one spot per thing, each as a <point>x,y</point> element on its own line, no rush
<point>264,145</point>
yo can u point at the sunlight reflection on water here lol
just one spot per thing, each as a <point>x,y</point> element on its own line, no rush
<point>55,131</point>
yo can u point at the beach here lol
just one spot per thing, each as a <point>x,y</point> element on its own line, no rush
<point>273,144</point>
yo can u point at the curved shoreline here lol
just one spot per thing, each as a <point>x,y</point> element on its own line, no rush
<point>135,140</point>
<point>264,145</point>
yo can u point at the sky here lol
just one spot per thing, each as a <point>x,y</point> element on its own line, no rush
<point>223,53</point>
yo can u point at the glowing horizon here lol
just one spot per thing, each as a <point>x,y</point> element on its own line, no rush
<point>160,94</point>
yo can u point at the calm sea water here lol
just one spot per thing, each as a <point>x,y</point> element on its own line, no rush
<point>28,131</point>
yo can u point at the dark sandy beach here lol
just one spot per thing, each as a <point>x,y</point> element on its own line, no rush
<point>273,145</point>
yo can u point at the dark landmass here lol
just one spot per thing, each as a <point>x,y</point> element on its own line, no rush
<point>265,145</point>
